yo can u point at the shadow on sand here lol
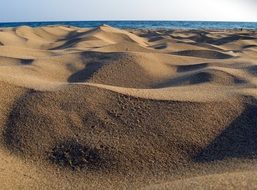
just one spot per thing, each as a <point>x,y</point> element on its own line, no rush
<point>86,73</point>
<point>239,140</point>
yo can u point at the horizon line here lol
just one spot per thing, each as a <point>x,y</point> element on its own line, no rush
<point>126,20</point>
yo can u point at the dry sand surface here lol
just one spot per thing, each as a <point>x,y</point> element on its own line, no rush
<point>106,108</point>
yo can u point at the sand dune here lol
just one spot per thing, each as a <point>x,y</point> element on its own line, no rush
<point>107,108</point>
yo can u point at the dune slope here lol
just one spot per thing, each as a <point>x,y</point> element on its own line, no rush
<point>106,108</point>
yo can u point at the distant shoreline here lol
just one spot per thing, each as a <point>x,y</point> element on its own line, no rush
<point>208,25</point>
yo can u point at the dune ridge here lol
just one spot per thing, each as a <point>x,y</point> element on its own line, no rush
<point>107,108</point>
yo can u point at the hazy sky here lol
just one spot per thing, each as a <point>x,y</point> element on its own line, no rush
<point>48,10</point>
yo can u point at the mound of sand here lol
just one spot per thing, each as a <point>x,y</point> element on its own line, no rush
<point>107,108</point>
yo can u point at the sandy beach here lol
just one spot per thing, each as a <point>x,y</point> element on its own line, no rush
<point>107,108</point>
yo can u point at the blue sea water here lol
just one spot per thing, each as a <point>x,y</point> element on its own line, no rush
<point>143,24</point>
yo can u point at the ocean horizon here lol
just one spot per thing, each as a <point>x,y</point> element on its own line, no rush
<point>141,24</point>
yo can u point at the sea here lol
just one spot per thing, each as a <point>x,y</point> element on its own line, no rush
<point>143,24</point>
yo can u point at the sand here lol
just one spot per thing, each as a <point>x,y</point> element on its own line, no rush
<point>107,108</point>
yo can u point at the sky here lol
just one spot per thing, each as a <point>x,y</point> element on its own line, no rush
<point>76,10</point>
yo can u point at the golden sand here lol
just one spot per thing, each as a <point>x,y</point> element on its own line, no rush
<point>107,108</point>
